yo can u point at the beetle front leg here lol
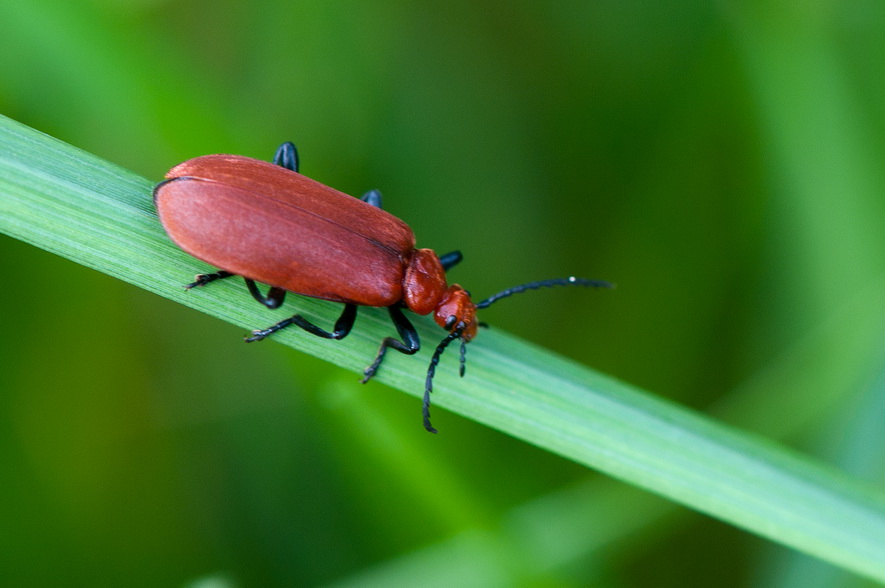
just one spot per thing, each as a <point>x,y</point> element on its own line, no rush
<point>450,260</point>
<point>409,345</point>
<point>342,326</point>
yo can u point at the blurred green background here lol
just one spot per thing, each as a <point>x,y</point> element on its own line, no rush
<point>720,161</point>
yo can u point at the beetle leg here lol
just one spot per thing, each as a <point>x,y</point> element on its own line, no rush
<point>409,345</point>
<point>342,326</point>
<point>450,260</point>
<point>286,156</point>
<point>274,298</point>
<point>372,197</point>
<point>203,279</point>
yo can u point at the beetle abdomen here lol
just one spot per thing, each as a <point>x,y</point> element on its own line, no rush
<point>280,228</point>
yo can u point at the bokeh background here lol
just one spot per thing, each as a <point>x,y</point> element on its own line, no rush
<point>720,161</point>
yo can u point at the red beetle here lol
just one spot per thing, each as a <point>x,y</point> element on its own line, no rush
<point>270,224</point>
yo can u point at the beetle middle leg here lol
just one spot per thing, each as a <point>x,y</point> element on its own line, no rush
<point>342,326</point>
<point>409,345</point>
<point>372,197</point>
<point>286,156</point>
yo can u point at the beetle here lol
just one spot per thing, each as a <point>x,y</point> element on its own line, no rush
<point>268,223</point>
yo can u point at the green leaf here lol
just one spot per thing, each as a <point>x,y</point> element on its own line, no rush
<point>99,215</point>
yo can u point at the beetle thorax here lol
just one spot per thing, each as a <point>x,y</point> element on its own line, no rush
<point>425,290</point>
<point>424,283</point>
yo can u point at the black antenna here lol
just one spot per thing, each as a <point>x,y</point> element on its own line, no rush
<point>569,281</point>
<point>428,384</point>
<point>457,333</point>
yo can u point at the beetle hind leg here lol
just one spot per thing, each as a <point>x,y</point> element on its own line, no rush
<point>274,298</point>
<point>342,326</point>
<point>409,345</point>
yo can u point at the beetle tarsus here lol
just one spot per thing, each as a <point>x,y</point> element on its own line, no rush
<point>259,334</point>
<point>201,280</point>
<point>369,372</point>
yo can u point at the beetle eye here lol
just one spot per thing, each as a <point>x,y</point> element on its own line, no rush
<point>450,322</point>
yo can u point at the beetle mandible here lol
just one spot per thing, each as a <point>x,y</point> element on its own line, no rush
<point>268,223</point>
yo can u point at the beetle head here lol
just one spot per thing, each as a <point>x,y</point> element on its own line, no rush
<point>456,312</point>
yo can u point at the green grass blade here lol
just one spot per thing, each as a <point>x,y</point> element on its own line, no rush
<point>78,206</point>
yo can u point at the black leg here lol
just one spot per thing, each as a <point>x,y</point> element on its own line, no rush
<point>286,156</point>
<point>274,298</point>
<point>410,342</point>
<point>203,279</point>
<point>450,260</point>
<point>342,326</point>
<point>373,197</point>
